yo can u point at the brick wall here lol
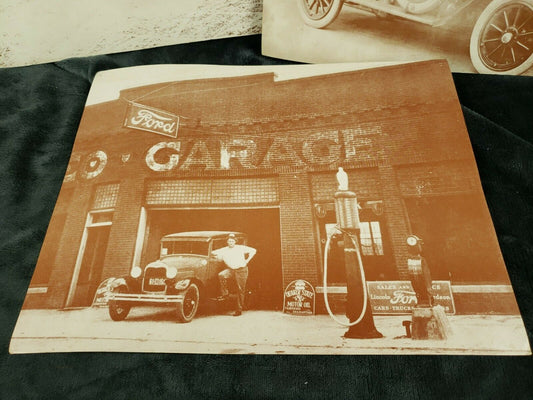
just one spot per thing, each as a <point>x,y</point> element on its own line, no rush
<point>119,254</point>
<point>67,253</point>
<point>298,248</point>
<point>397,222</point>
<point>493,303</point>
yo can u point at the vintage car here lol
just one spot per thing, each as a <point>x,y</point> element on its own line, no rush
<point>185,274</point>
<point>501,41</point>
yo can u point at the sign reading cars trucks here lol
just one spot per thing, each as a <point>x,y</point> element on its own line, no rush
<point>398,297</point>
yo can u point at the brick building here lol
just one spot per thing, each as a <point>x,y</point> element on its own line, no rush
<point>257,155</point>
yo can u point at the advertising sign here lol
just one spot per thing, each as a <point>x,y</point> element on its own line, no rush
<point>398,297</point>
<point>151,120</point>
<point>299,298</point>
<point>101,296</point>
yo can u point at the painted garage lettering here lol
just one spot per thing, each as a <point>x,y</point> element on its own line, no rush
<point>172,157</point>
<point>324,148</point>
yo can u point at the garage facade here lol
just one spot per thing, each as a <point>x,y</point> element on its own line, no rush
<point>257,155</point>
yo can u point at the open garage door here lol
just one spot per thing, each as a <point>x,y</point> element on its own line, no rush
<point>260,224</point>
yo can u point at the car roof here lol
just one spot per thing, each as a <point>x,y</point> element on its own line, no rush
<point>202,234</point>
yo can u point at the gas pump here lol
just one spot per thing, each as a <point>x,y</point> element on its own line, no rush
<point>358,310</point>
<point>428,321</point>
<point>419,273</point>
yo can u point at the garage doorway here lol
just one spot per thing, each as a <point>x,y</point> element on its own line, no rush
<point>260,224</point>
<point>91,266</point>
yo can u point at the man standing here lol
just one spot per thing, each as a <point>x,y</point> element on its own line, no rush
<point>236,257</point>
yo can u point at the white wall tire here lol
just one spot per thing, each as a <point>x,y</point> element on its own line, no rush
<point>319,13</point>
<point>502,38</point>
<point>186,309</point>
<point>119,310</point>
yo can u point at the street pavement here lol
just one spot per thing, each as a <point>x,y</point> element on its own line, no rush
<point>33,32</point>
<point>254,332</point>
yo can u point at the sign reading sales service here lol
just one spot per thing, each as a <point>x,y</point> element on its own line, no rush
<point>398,297</point>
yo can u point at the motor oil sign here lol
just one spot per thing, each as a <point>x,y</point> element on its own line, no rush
<point>101,297</point>
<point>299,298</point>
<point>398,297</point>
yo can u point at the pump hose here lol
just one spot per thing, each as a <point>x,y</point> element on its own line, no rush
<point>363,280</point>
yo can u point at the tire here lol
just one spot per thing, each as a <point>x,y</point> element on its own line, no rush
<point>319,13</point>
<point>186,309</point>
<point>502,38</point>
<point>119,310</point>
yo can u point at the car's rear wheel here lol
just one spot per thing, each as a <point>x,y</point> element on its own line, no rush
<point>319,13</point>
<point>118,310</point>
<point>186,309</point>
<point>502,38</point>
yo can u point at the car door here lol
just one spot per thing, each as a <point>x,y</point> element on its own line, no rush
<point>214,266</point>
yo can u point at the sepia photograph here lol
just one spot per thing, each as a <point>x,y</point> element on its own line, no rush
<point>483,36</point>
<point>272,210</point>
<point>33,32</point>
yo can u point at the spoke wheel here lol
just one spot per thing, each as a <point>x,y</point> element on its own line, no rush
<point>319,13</point>
<point>186,310</point>
<point>502,39</point>
<point>119,310</point>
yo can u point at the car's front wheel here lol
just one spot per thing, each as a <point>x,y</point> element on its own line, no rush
<point>118,310</point>
<point>186,309</point>
<point>502,38</point>
<point>319,13</point>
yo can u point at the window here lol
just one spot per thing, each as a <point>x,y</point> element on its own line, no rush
<point>102,217</point>
<point>371,240</point>
<point>186,191</point>
<point>262,190</point>
<point>185,247</point>
<point>105,196</point>
<point>219,243</point>
<point>245,190</point>
<point>377,258</point>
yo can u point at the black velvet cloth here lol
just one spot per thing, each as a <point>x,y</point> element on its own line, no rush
<point>40,108</point>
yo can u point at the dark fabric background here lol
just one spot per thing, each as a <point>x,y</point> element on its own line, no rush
<point>40,108</point>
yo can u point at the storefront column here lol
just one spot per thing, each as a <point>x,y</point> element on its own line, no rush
<point>141,230</point>
<point>124,231</point>
<point>397,218</point>
<point>298,252</point>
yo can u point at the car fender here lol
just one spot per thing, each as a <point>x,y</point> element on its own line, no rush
<point>116,282</point>
<point>182,284</point>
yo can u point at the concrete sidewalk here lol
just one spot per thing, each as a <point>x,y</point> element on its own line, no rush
<point>254,332</point>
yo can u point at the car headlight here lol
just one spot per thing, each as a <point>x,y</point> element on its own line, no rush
<point>412,240</point>
<point>136,272</point>
<point>171,272</point>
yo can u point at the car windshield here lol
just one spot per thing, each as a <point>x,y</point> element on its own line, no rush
<point>185,247</point>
